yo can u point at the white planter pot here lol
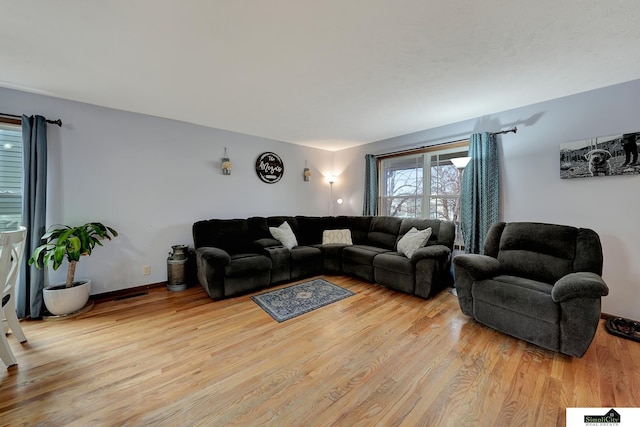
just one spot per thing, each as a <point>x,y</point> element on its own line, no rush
<point>66,300</point>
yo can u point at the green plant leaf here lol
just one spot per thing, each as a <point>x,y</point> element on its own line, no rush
<point>71,242</point>
<point>58,256</point>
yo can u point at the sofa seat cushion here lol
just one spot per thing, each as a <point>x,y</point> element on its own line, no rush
<point>245,264</point>
<point>395,271</point>
<point>362,254</point>
<point>525,296</point>
<point>281,263</point>
<point>306,261</point>
<point>332,257</point>
<point>395,262</point>
<point>305,252</point>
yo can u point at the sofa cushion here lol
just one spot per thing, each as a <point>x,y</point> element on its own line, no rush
<point>306,261</point>
<point>442,232</point>
<point>332,257</point>
<point>258,228</point>
<point>342,237</point>
<point>361,254</point>
<point>395,262</point>
<point>383,232</point>
<point>281,263</point>
<point>311,228</point>
<point>536,251</point>
<point>284,234</point>
<point>246,264</point>
<point>276,221</point>
<point>359,226</point>
<point>395,271</point>
<point>412,240</point>
<point>231,235</point>
<point>529,297</point>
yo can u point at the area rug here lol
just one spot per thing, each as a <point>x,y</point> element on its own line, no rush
<point>286,303</point>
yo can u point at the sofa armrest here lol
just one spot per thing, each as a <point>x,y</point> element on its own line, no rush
<point>479,267</point>
<point>579,285</point>
<point>214,256</point>
<point>266,243</point>
<point>430,252</point>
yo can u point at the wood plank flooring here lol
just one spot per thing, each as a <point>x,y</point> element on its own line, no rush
<point>377,358</point>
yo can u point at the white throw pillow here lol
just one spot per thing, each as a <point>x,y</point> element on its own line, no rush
<point>414,239</point>
<point>337,236</point>
<point>284,234</point>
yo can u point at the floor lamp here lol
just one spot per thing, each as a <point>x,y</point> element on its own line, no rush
<point>460,163</point>
<point>331,179</point>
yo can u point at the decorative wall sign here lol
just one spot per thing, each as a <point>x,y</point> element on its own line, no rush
<point>269,167</point>
<point>601,156</point>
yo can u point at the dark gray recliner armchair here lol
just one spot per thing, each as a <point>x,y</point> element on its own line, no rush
<point>538,282</point>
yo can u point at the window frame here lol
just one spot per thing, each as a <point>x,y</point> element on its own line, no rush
<point>9,217</point>
<point>426,209</point>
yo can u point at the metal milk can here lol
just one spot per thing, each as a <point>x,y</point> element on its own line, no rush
<point>176,268</point>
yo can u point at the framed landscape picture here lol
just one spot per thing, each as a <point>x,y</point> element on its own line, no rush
<point>601,156</point>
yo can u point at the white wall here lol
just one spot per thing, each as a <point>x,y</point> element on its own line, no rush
<point>531,188</point>
<point>151,178</point>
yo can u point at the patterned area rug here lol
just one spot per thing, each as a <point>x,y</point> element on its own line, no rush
<point>286,303</point>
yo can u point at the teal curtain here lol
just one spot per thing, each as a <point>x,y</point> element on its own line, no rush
<point>480,191</point>
<point>34,196</point>
<point>370,206</point>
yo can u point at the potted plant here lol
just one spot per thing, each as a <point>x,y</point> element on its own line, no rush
<point>62,242</point>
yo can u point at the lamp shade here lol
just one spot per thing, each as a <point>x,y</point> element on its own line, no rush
<point>461,162</point>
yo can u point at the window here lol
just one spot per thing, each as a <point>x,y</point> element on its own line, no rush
<point>10,176</point>
<point>402,188</point>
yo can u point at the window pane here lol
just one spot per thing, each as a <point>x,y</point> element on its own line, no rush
<point>405,207</point>
<point>403,176</point>
<point>444,208</point>
<point>444,179</point>
<point>10,176</point>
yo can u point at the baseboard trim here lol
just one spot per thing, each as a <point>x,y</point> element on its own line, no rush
<point>607,316</point>
<point>125,293</point>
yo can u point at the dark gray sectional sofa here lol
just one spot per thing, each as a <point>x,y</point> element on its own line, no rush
<point>236,256</point>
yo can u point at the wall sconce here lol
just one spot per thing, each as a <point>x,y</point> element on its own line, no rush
<point>307,172</point>
<point>339,201</point>
<point>226,163</point>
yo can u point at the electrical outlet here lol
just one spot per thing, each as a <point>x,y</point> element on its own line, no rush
<point>146,270</point>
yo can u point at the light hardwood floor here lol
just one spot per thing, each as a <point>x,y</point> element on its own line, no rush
<point>377,358</point>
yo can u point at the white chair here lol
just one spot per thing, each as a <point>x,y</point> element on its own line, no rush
<point>11,254</point>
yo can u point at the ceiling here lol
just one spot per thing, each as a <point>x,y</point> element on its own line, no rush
<point>329,74</point>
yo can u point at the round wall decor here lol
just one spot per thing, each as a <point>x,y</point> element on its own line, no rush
<point>269,167</point>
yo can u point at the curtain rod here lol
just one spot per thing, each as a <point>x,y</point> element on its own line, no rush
<point>514,130</point>
<point>53,122</point>
<point>408,150</point>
